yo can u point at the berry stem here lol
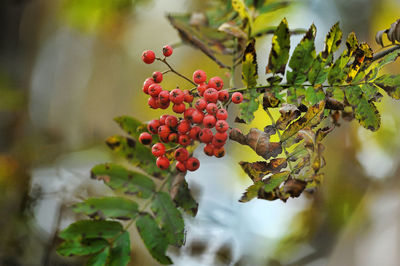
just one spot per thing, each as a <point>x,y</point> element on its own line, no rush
<point>164,60</point>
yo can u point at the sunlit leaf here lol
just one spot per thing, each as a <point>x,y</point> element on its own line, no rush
<point>279,54</point>
<point>249,65</point>
<point>332,40</point>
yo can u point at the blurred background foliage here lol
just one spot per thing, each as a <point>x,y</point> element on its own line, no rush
<point>68,67</point>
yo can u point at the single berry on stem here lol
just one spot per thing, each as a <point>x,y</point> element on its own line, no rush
<point>179,108</point>
<point>148,56</point>
<point>209,121</point>
<point>171,121</point>
<point>163,131</point>
<point>223,95</point>
<point>222,114</point>
<point>237,97</point>
<point>154,89</point>
<point>153,102</point>
<point>211,95</point>
<point>162,162</point>
<point>153,126</point>
<point>202,88</point>
<point>220,152</point>
<point>194,132</point>
<point>192,164</point>
<point>201,104</point>
<point>163,97</point>
<point>157,76</point>
<point>162,119</point>
<point>184,140</point>
<point>199,76</point>
<point>216,83</point>
<point>145,138</point>
<point>176,96</point>
<point>158,149</point>
<point>167,50</point>
<point>188,96</point>
<point>212,108</point>
<point>221,126</point>
<point>181,154</point>
<point>184,127</point>
<point>206,135</point>
<point>209,149</point>
<point>197,117</point>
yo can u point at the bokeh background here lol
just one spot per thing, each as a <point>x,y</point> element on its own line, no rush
<point>68,67</point>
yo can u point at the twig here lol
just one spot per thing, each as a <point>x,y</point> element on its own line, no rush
<point>164,60</point>
<point>379,55</point>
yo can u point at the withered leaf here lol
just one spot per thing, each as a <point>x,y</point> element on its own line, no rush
<point>294,187</point>
<point>258,141</point>
<point>269,100</point>
<point>257,170</point>
<point>289,112</point>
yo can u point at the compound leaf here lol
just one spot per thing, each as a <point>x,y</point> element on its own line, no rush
<point>168,218</point>
<point>119,178</point>
<point>257,170</point>
<point>279,54</point>
<point>108,207</point>
<point>154,239</point>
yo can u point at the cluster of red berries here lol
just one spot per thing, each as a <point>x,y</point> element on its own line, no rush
<point>197,122</point>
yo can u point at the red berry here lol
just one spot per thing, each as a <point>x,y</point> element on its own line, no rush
<point>197,117</point>
<point>188,113</point>
<point>158,149</point>
<point>146,85</point>
<point>220,152</point>
<point>188,96</point>
<point>194,132</point>
<point>221,126</point>
<point>221,136</point>
<point>171,121</point>
<point>202,88</point>
<point>162,119</point>
<point>180,166</point>
<point>154,89</point>
<point>223,95</point>
<point>199,76</point>
<point>145,138</point>
<point>206,135</point>
<point>192,164</point>
<point>183,127</point>
<point>237,97</point>
<point>209,121</point>
<point>181,154</point>
<point>153,102</point>
<point>163,131</point>
<point>184,140</point>
<point>173,137</point>
<point>162,162</point>
<point>179,108</point>
<point>222,114</point>
<point>216,83</point>
<point>212,108</point>
<point>201,104</point>
<point>153,126</point>
<point>167,50</point>
<point>176,96</point>
<point>162,105</point>
<point>217,143</point>
<point>163,96</point>
<point>157,76</point>
<point>165,139</point>
<point>148,56</point>
<point>209,149</point>
<point>211,95</point>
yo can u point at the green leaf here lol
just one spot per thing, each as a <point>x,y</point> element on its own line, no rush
<point>91,229</point>
<point>279,54</point>
<point>83,247</point>
<point>153,238</point>
<point>168,218</point>
<point>249,105</point>
<point>275,181</point>
<point>270,7</point>
<point>108,207</point>
<point>390,84</point>
<point>338,71</point>
<point>249,65</point>
<point>332,40</point>
<point>120,252</point>
<point>314,95</point>
<point>119,178</point>
<point>302,58</point>
<point>99,259</point>
<point>184,199</point>
<point>311,118</point>
<point>319,70</point>
<point>130,125</point>
<point>370,91</point>
<point>364,110</point>
<point>138,154</point>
